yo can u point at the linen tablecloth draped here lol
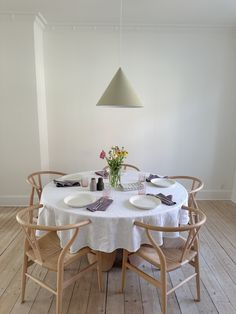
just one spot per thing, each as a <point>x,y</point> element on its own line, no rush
<point>113,228</point>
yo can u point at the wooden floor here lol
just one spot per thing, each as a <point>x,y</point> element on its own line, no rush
<point>218,276</point>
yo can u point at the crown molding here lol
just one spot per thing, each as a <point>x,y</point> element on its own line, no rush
<point>23,17</point>
<point>40,19</point>
<point>138,27</point>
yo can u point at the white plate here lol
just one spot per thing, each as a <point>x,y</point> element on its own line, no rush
<point>79,199</point>
<point>144,201</point>
<point>162,182</point>
<point>71,177</point>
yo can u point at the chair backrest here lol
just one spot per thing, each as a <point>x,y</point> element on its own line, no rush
<point>25,219</point>
<point>125,167</point>
<point>196,219</point>
<point>193,185</point>
<point>37,181</point>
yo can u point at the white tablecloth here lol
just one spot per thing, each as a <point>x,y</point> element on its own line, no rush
<point>113,228</point>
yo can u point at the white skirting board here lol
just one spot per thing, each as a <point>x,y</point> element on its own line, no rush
<point>14,200</point>
<point>214,195</point>
<point>23,200</point>
<point>234,197</point>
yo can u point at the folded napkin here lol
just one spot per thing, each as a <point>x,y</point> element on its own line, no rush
<point>101,204</point>
<point>165,199</point>
<point>65,183</point>
<point>154,176</point>
<point>102,173</point>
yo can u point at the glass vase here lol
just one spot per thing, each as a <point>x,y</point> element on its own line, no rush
<point>114,177</point>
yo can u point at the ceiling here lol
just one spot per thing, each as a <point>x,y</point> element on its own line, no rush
<point>196,12</point>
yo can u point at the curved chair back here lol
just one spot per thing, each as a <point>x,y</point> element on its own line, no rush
<point>193,185</point>
<point>125,167</point>
<point>36,180</point>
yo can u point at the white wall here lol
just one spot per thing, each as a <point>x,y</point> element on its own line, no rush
<point>185,78</point>
<point>19,152</point>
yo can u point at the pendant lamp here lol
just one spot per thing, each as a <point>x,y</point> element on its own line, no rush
<point>119,92</point>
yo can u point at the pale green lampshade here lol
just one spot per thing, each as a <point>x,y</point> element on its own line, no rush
<point>119,93</point>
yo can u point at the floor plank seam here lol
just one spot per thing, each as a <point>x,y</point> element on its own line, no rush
<point>17,234</point>
<point>222,288</point>
<point>223,264</point>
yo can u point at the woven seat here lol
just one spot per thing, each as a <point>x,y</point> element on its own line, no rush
<point>172,256</point>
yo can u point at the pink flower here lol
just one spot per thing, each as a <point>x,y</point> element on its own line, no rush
<point>102,154</point>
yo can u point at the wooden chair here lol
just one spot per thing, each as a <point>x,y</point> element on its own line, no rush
<point>36,181</point>
<point>46,252</point>
<point>193,185</point>
<point>168,259</point>
<point>124,167</point>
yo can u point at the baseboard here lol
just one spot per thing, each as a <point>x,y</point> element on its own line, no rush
<point>214,195</point>
<point>14,200</point>
<point>233,199</point>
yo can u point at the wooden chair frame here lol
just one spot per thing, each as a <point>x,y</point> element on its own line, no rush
<point>35,180</point>
<point>58,258</point>
<point>196,186</point>
<point>125,166</point>
<point>165,258</point>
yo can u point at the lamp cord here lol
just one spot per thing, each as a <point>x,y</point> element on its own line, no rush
<point>121,16</point>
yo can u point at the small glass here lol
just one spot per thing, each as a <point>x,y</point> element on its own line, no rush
<point>85,182</point>
<point>142,183</point>
<point>107,191</point>
<point>141,177</point>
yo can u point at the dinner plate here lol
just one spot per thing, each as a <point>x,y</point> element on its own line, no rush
<point>70,177</point>
<point>163,182</point>
<point>79,199</point>
<point>144,201</point>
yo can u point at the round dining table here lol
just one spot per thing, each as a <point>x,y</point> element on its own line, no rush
<point>113,228</point>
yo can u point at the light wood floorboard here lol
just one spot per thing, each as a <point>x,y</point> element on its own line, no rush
<point>218,276</point>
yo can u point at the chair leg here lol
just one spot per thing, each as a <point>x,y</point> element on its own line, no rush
<point>197,270</point>
<point>123,274</point>
<point>163,291</point>
<point>23,280</point>
<point>60,275</point>
<point>99,271</point>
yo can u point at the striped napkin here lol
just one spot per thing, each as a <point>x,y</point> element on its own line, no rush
<point>102,173</point>
<point>101,204</point>
<point>65,183</point>
<point>154,176</point>
<point>165,199</point>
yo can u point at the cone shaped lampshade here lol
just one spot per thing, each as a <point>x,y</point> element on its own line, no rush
<point>119,93</point>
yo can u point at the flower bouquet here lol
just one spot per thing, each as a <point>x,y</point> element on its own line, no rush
<point>114,158</point>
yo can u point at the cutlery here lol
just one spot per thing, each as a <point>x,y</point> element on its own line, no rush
<point>99,204</point>
<point>164,199</point>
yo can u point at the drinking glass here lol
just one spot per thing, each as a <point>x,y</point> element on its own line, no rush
<point>85,182</point>
<point>142,183</point>
<point>107,191</point>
